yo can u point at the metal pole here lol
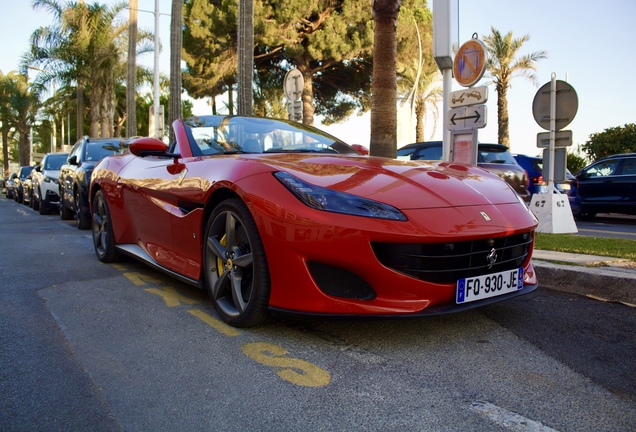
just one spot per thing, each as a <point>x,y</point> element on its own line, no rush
<point>156,101</point>
<point>553,92</point>
<point>447,76</point>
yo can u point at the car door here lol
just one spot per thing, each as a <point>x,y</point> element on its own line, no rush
<point>67,172</point>
<point>596,186</point>
<point>625,185</point>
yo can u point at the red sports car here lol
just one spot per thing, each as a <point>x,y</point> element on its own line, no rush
<point>275,217</point>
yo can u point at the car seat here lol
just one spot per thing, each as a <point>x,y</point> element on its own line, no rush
<point>252,146</point>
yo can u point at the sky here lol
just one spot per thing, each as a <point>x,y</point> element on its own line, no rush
<point>590,45</point>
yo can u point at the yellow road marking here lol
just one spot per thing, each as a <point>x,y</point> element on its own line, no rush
<point>141,279</point>
<point>296,371</point>
<point>170,296</point>
<point>213,322</point>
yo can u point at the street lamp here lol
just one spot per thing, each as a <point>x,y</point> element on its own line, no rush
<point>53,129</point>
<point>156,103</point>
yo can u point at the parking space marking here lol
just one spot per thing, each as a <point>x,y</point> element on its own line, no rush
<point>171,296</point>
<point>296,371</point>
<point>141,279</point>
<point>215,323</point>
<point>508,419</point>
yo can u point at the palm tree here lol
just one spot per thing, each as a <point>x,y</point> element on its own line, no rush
<point>503,67</point>
<point>384,81</point>
<point>421,91</point>
<point>176,35</point>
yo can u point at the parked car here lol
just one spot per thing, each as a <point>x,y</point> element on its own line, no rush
<point>286,219</point>
<point>18,192</point>
<point>10,186</point>
<point>608,186</point>
<point>46,179</point>
<point>75,175</point>
<point>495,158</point>
<point>534,167</point>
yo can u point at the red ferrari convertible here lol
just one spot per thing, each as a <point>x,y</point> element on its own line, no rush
<point>274,217</point>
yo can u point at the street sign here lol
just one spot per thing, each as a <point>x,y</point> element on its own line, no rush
<point>470,62</point>
<point>470,96</point>
<point>562,139</point>
<point>471,117</point>
<point>293,84</point>
<point>567,104</point>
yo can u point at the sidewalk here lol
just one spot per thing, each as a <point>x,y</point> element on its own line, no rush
<point>604,278</point>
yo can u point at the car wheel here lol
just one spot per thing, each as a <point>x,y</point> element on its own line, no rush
<point>103,236</point>
<point>81,220</point>
<point>65,213</point>
<point>236,271</point>
<point>35,204</point>
<point>585,215</point>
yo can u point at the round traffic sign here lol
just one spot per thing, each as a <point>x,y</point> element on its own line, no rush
<point>470,62</point>
<point>567,104</point>
<point>293,84</point>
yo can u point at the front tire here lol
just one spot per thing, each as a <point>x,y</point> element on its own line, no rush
<point>235,266</point>
<point>103,236</point>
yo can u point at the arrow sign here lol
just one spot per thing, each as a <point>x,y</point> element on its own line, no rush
<point>473,117</point>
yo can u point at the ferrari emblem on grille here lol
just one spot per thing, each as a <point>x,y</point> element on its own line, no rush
<point>491,257</point>
<point>485,216</point>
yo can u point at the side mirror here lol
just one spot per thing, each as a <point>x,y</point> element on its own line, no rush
<point>147,146</point>
<point>360,149</point>
<point>38,168</point>
<point>73,160</point>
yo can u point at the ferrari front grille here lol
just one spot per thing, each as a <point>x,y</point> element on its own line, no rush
<point>447,262</point>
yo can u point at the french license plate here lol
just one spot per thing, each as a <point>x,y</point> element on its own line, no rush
<point>482,287</point>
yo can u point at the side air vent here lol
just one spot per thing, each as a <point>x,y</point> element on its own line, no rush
<point>338,282</point>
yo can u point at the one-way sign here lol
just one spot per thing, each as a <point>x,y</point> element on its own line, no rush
<point>470,117</point>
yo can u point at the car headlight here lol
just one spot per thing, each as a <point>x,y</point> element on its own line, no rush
<point>337,202</point>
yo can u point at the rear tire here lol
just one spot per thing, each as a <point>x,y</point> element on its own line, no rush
<point>103,236</point>
<point>65,213</point>
<point>35,204</point>
<point>81,220</point>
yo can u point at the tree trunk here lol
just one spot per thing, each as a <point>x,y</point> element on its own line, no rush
<point>176,35</point>
<point>131,72</point>
<point>502,115</point>
<point>245,47</point>
<point>79,130</point>
<point>308,97</point>
<point>384,81</point>
<point>23,143</point>
<point>420,113</point>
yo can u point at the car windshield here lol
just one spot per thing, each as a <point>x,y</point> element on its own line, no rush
<point>227,135</point>
<point>55,162</point>
<point>495,154</point>
<point>98,150</point>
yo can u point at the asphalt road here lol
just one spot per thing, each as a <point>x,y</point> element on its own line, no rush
<point>88,346</point>
<point>608,225</point>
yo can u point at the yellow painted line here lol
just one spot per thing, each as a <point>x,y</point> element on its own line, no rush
<point>118,267</point>
<point>141,279</point>
<point>171,296</point>
<point>213,322</point>
<point>296,371</point>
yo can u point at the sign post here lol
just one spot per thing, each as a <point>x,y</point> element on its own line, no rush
<point>468,110</point>
<point>554,107</point>
<point>293,88</point>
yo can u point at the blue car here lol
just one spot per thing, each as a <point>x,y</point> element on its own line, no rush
<point>534,167</point>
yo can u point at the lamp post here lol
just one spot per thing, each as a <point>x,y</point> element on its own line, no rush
<point>156,103</point>
<point>53,125</point>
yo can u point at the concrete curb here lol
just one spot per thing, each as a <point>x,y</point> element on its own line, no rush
<point>614,284</point>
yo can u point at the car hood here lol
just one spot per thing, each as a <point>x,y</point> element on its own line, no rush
<point>402,184</point>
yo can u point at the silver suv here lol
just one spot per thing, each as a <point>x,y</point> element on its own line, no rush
<point>45,177</point>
